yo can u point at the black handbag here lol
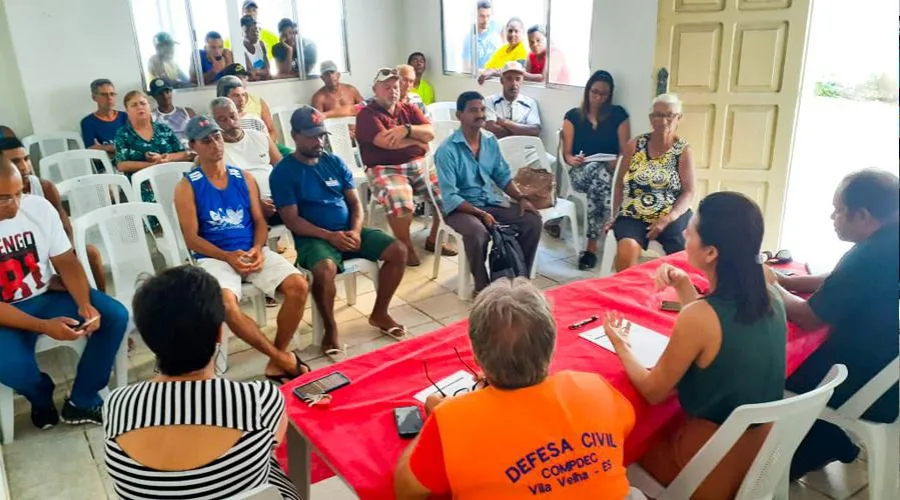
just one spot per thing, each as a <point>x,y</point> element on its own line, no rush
<point>506,259</point>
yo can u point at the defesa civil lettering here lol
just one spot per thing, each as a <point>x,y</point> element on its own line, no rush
<point>543,454</point>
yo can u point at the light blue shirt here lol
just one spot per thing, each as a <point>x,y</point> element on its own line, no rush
<point>462,177</point>
<point>488,43</point>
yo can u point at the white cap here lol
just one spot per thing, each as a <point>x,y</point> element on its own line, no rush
<point>513,66</point>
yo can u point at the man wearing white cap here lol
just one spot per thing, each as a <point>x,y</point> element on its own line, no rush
<point>335,99</point>
<point>512,113</point>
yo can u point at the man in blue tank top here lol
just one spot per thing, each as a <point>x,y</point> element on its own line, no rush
<point>223,225</point>
<point>315,196</point>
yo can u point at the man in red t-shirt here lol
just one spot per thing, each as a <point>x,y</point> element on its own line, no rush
<point>393,140</point>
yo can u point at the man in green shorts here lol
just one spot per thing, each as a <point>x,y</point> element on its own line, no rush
<point>314,193</point>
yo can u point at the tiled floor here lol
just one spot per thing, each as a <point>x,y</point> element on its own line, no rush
<point>67,462</point>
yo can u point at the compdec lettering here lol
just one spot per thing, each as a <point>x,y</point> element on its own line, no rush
<point>553,450</point>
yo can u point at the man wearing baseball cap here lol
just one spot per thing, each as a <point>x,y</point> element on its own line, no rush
<point>222,222</point>
<point>393,140</point>
<point>335,98</point>
<point>162,63</point>
<point>315,196</point>
<point>512,113</point>
<point>176,117</point>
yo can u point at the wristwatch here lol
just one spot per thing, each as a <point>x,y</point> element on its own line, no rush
<point>408,129</point>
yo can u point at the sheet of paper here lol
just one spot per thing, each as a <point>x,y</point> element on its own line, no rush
<point>450,385</point>
<point>646,344</point>
<point>600,157</point>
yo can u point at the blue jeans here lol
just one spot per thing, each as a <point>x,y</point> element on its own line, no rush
<point>19,369</point>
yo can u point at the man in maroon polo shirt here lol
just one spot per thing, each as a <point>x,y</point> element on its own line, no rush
<point>393,140</point>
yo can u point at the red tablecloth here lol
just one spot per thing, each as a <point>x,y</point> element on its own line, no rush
<point>357,438</point>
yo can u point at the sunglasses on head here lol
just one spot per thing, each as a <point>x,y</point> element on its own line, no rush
<point>779,257</point>
<point>387,72</point>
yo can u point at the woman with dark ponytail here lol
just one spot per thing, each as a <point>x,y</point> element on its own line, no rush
<point>727,349</point>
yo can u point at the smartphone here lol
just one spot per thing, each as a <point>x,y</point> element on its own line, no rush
<point>323,385</point>
<point>84,324</point>
<point>670,305</point>
<point>783,272</point>
<point>409,421</point>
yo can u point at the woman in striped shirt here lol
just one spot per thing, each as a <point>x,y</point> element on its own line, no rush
<point>185,433</point>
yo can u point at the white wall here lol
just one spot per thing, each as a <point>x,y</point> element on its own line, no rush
<point>13,112</point>
<point>94,39</point>
<point>623,41</point>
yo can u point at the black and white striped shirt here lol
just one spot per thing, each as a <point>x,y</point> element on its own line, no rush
<point>252,407</point>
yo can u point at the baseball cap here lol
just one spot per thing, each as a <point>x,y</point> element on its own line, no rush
<point>513,66</point>
<point>385,74</point>
<point>158,86</point>
<point>327,66</point>
<point>199,127</point>
<point>234,69</point>
<point>286,23</point>
<point>247,21</point>
<point>308,121</point>
<point>227,84</point>
<point>250,4</point>
<point>163,38</point>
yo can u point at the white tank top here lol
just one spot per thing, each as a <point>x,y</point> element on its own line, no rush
<point>36,188</point>
<point>256,58</point>
<point>252,155</point>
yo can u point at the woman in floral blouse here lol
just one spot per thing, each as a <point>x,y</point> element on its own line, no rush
<point>141,143</point>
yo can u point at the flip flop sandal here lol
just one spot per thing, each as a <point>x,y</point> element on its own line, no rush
<point>336,355</point>
<point>271,302</point>
<point>392,332</point>
<point>445,251</point>
<point>285,377</point>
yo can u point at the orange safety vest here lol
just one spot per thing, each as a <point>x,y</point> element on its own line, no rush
<point>560,439</point>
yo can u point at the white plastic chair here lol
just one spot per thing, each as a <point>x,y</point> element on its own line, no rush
<point>442,111</point>
<point>163,178</point>
<point>85,194</point>
<point>521,151</point>
<point>281,116</point>
<point>767,477</point>
<point>52,143</point>
<point>882,441</point>
<point>342,146</point>
<point>564,184</point>
<point>58,167</point>
<point>264,492</point>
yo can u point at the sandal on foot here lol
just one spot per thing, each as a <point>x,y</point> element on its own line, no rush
<point>395,332</point>
<point>445,250</point>
<point>587,261</point>
<point>286,377</point>
<point>336,354</point>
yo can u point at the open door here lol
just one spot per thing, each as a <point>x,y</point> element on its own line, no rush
<point>737,65</point>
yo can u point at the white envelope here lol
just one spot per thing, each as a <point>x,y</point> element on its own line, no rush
<point>646,344</point>
<point>450,385</point>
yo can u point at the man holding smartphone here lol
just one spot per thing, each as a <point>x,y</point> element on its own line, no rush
<point>32,303</point>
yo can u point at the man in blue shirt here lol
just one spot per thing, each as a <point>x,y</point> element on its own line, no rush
<point>222,222</point>
<point>98,129</point>
<point>315,196</point>
<point>487,36</point>
<point>470,168</point>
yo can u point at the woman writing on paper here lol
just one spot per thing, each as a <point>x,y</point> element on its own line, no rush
<point>597,126</point>
<point>654,189</point>
<point>726,349</point>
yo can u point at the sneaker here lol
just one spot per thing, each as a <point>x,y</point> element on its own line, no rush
<point>44,418</point>
<point>73,415</point>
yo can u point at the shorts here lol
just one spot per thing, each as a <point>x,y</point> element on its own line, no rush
<point>395,186</point>
<point>671,238</point>
<point>275,270</point>
<point>310,251</point>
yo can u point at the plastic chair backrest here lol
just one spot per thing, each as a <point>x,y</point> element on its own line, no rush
<point>281,115</point>
<point>264,492</point>
<point>791,419</point>
<point>886,380</point>
<point>65,165</point>
<point>524,151</point>
<point>442,130</point>
<point>163,178</point>
<point>52,143</point>
<point>340,141</point>
<point>91,192</point>
<point>442,111</point>
<point>127,243</point>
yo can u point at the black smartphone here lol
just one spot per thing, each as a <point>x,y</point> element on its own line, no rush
<point>670,305</point>
<point>409,421</point>
<point>323,385</point>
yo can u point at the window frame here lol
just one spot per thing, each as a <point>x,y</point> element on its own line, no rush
<point>195,54</point>
<point>474,52</point>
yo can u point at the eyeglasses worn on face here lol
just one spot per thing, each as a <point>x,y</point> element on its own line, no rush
<point>599,93</point>
<point>9,199</point>
<point>665,116</point>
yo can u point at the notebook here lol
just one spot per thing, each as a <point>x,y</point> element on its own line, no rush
<point>646,344</point>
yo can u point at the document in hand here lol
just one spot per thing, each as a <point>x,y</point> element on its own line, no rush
<point>646,344</point>
<point>450,385</point>
<point>600,157</point>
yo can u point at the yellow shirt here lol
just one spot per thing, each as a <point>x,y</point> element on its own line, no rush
<point>502,56</point>
<point>425,91</point>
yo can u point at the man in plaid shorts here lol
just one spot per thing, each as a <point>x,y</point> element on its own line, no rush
<point>393,140</point>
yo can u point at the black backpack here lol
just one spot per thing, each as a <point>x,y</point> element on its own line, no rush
<point>506,259</point>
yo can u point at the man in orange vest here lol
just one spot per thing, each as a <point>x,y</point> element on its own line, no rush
<point>525,433</point>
